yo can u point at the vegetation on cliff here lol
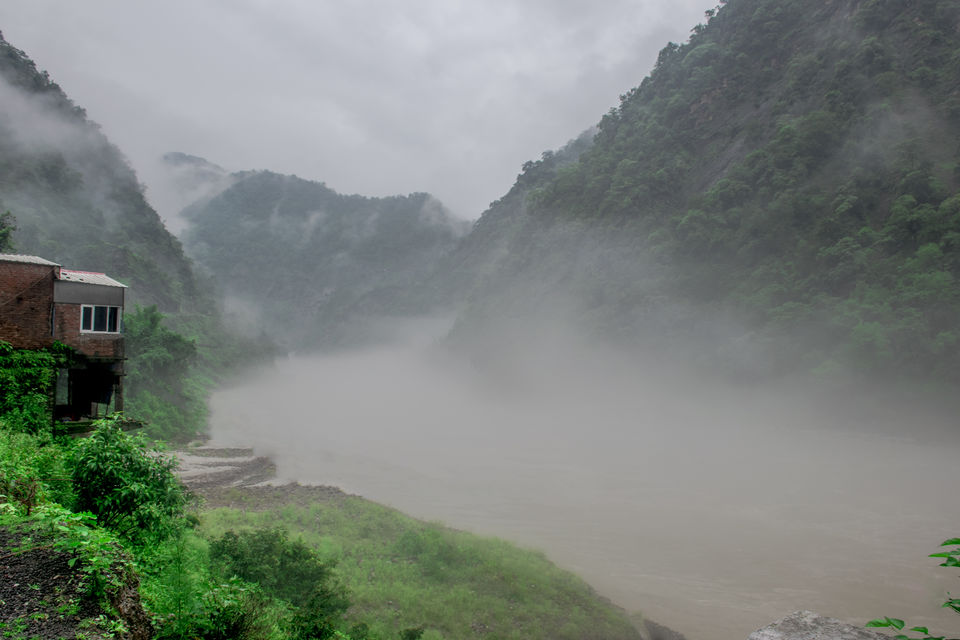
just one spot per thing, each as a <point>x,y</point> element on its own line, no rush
<point>780,194</point>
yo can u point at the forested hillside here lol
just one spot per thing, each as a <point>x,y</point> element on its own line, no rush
<point>312,267</point>
<point>780,193</point>
<point>68,195</point>
<point>74,198</point>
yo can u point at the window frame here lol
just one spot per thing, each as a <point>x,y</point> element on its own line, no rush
<point>93,318</point>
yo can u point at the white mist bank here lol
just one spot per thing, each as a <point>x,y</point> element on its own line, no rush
<point>711,509</point>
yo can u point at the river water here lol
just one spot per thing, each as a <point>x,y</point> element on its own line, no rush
<point>711,509</point>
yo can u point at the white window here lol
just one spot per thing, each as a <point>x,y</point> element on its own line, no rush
<point>99,319</point>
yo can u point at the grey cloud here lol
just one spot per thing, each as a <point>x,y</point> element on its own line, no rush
<point>371,97</point>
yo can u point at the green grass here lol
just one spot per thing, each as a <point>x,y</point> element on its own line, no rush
<point>405,573</point>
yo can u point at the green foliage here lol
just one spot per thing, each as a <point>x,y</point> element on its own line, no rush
<point>354,257</point>
<point>158,351</point>
<point>161,384</point>
<point>96,552</point>
<point>80,204</point>
<point>129,487</point>
<point>406,575</point>
<point>231,610</point>
<point>188,601</point>
<point>6,230</point>
<point>33,470</point>
<point>951,558</point>
<point>287,569</point>
<point>126,495</point>
<point>27,377</point>
<point>175,578</point>
<point>771,172</point>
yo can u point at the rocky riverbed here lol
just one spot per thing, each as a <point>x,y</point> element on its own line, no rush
<point>236,478</point>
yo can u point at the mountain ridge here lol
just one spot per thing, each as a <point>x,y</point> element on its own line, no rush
<point>781,191</point>
<point>56,165</point>
<point>357,258</point>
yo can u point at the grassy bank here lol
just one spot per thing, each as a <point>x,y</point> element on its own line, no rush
<point>403,573</point>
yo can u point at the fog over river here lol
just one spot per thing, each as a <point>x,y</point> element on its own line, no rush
<point>713,509</point>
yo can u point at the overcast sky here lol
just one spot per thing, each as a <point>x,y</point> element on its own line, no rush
<point>370,96</point>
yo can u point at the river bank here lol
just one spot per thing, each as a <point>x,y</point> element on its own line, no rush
<point>405,573</point>
<point>711,509</point>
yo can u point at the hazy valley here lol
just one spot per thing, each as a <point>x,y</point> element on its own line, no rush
<point>704,355</point>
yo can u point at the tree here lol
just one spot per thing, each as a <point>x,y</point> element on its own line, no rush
<point>6,231</point>
<point>160,388</point>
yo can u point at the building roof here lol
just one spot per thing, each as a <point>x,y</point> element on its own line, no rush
<point>16,257</point>
<point>89,277</point>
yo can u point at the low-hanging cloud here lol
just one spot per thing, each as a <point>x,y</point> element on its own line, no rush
<point>45,127</point>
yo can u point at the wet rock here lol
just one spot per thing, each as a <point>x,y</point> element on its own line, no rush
<point>807,625</point>
<point>126,602</point>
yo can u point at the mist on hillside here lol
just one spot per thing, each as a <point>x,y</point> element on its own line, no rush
<point>693,353</point>
<point>710,506</point>
<point>73,197</point>
<point>44,130</point>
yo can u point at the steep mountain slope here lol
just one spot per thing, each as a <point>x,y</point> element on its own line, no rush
<point>310,266</point>
<point>74,199</point>
<point>780,193</point>
<point>480,253</point>
<point>73,195</point>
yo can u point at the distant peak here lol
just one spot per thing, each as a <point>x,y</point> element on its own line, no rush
<point>180,159</point>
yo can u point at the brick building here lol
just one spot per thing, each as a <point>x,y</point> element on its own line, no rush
<point>41,302</point>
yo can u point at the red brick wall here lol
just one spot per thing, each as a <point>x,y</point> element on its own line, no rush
<point>26,298</point>
<point>67,331</point>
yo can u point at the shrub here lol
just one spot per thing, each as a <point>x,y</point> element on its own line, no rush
<point>231,611</point>
<point>33,470</point>
<point>131,488</point>
<point>287,569</point>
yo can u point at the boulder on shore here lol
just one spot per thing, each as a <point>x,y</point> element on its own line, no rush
<point>807,625</point>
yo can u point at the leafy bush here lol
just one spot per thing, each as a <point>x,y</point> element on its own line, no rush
<point>131,488</point>
<point>33,470</point>
<point>231,611</point>
<point>287,569</point>
<point>186,601</point>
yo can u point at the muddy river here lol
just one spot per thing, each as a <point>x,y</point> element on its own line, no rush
<point>714,510</point>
